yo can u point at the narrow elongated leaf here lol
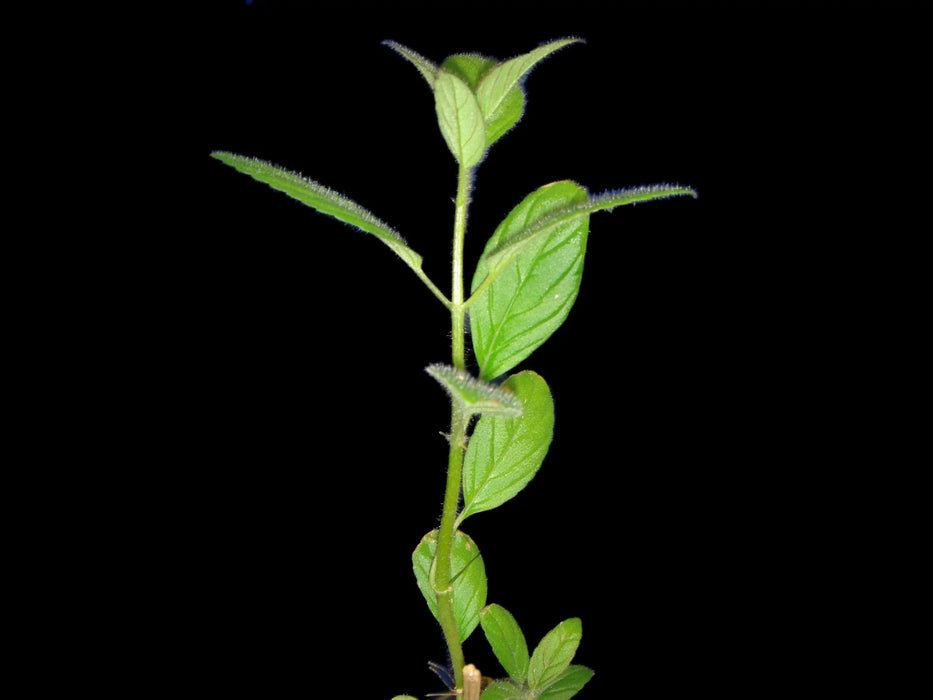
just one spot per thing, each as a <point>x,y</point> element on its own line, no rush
<point>318,197</point>
<point>427,69</point>
<point>533,290</point>
<point>567,684</point>
<point>500,93</point>
<point>460,119</point>
<point>554,654</point>
<point>507,641</point>
<point>511,246</point>
<point>473,396</point>
<point>504,453</point>
<point>469,578</point>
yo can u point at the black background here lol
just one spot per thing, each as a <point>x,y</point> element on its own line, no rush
<point>681,511</point>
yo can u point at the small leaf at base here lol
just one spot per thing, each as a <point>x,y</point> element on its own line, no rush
<point>507,641</point>
<point>554,654</point>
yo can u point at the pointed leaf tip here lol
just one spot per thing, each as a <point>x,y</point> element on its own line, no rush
<point>427,69</point>
<point>321,198</point>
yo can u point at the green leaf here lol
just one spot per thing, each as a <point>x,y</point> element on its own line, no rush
<point>427,69</point>
<point>318,197</point>
<point>529,274</point>
<point>469,67</point>
<point>469,578</point>
<point>506,639</point>
<point>534,290</point>
<point>500,94</point>
<point>567,684</point>
<point>504,453</point>
<point>505,690</point>
<point>474,397</point>
<point>404,697</point>
<point>460,119</point>
<point>510,246</point>
<point>554,654</point>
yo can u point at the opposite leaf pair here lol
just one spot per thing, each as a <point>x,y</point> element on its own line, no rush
<point>547,674</point>
<point>477,99</point>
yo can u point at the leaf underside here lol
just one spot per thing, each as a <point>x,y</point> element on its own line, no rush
<point>469,578</point>
<point>322,199</point>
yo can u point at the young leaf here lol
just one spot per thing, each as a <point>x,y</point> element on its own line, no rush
<point>567,684</point>
<point>531,296</point>
<point>460,119</point>
<point>500,94</point>
<point>318,197</point>
<point>473,396</point>
<point>469,578</point>
<point>504,453</point>
<point>507,641</point>
<point>427,69</point>
<point>554,654</point>
<point>469,67</point>
<point>505,690</point>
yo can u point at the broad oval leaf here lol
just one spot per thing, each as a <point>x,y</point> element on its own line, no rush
<point>504,453</point>
<point>567,684</point>
<point>460,119</point>
<point>323,199</point>
<point>469,578</point>
<point>507,641</point>
<point>532,293</point>
<point>555,652</point>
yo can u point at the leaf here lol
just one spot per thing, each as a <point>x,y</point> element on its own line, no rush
<point>427,69</point>
<point>318,197</point>
<point>500,93</point>
<point>554,654</point>
<point>532,294</point>
<point>472,396</point>
<point>527,278</point>
<point>404,697</point>
<point>504,453</point>
<point>469,67</point>
<point>511,246</point>
<point>469,578</point>
<point>505,690</point>
<point>506,639</point>
<point>567,684</point>
<point>460,119</point>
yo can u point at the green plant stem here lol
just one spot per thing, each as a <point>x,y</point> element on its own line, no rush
<point>430,285</point>
<point>443,585</point>
<point>459,421</point>
<point>457,312</point>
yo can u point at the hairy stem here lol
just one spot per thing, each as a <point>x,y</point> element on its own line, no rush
<point>464,182</point>
<point>458,428</point>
